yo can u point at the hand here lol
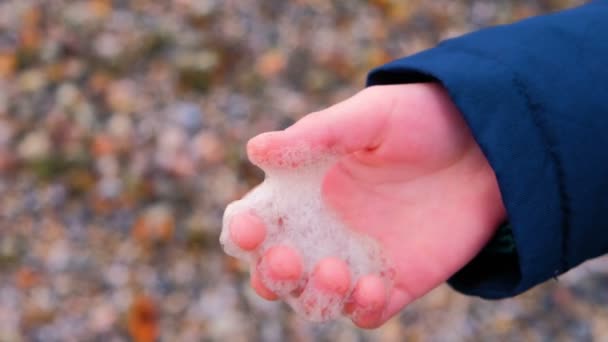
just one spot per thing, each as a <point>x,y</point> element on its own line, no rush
<point>410,175</point>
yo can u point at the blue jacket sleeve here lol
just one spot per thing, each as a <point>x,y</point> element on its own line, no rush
<point>535,96</point>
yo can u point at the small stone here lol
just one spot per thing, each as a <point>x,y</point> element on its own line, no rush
<point>176,303</point>
<point>58,255</point>
<point>107,165</point>
<point>108,46</point>
<point>67,95</point>
<point>171,154</point>
<point>8,160</point>
<point>181,165</point>
<point>102,318</point>
<point>7,132</point>
<point>74,68</point>
<point>80,180</point>
<point>197,8</point>
<point>208,147</point>
<point>117,275</point>
<point>10,251</point>
<point>100,8</point>
<point>109,187</point>
<point>187,115</point>
<point>143,319</point>
<point>120,126</point>
<point>32,80</point>
<point>78,13</point>
<point>155,224</point>
<point>30,38</point>
<point>121,96</point>
<point>99,82</point>
<point>183,272</point>
<point>4,102</point>
<point>103,145</point>
<point>8,63</point>
<point>54,195</point>
<point>36,145</point>
<point>172,139</point>
<point>26,278</point>
<point>204,60</point>
<point>271,63</point>
<point>196,69</point>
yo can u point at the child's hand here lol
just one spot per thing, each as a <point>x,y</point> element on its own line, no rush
<point>411,176</point>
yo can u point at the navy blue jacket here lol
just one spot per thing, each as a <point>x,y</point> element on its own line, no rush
<point>535,95</point>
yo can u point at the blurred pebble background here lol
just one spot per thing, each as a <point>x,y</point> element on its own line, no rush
<point>122,131</point>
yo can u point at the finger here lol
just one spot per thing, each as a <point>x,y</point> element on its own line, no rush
<point>260,288</point>
<point>367,320</point>
<point>397,300</point>
<point>332,275</point>
<point>281,263</point>
<point>368,302</point>
<point>247,231</point>
<point>352,125</point>
<point>324,293</point>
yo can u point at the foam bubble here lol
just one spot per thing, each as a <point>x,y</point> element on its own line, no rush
<point>290,204</point>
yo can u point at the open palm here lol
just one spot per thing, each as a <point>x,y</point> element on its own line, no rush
<point>410,175</point>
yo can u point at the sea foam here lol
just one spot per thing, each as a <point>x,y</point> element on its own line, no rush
<point>290,204</point>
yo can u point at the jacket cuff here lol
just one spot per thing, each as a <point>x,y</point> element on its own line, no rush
<point>503,119</point>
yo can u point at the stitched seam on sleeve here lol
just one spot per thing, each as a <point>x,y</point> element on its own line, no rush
<point>548,140</point>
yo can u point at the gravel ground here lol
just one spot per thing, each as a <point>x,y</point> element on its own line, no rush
<point>122,127</point>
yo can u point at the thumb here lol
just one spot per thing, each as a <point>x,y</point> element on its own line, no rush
<point>352,125</point>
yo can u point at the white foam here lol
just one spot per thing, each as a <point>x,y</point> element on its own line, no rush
<point>290,203</point>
